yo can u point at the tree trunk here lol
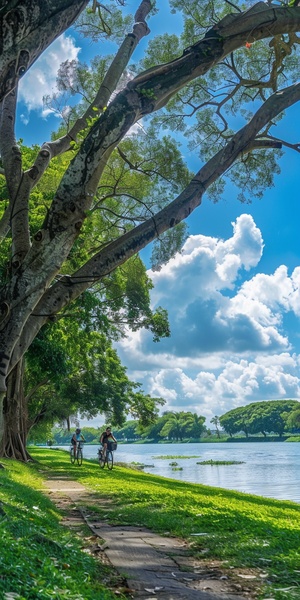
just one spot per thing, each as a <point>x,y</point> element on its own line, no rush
<point>13,443</point>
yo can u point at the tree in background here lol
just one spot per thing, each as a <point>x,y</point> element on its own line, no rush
<point>129,432</point>
<point>293,419</point>
<point>228,63</point>
<point>153,431</point>
<point>179,425</point>
<point>196,426</point>
<point>260,417</point>
<point>61,435</point>
<point>235,421</point>
<point>216,422</point>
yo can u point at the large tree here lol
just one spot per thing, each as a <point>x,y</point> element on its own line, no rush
<point>205,74</point>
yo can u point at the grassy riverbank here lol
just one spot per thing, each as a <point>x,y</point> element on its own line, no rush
<point>42,560</point>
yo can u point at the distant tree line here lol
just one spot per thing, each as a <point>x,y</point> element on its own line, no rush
<point>172,426</point>
<point>274,417</point>
<point>259,418</point>
<point>60,436</point>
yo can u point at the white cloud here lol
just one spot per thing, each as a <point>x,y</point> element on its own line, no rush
<point>238,383</point>
<point>209,264</point>
<point>41,78</point>
<point>277,290</point>
<point>228,343</point>
<point>24,119</point>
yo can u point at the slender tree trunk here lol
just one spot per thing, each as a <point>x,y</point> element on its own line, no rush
<point>13,442</point>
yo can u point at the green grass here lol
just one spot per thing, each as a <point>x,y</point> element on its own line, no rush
<point>40,559</point>
<point>241,530</point>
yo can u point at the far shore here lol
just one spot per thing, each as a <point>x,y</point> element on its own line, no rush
<point>206,441</point>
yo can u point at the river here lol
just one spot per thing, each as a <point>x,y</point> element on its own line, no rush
<point>270,469</point>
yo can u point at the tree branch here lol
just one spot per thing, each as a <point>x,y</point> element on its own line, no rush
<point>108,85</point>
<point>118,251</point>
<point>26,29</point>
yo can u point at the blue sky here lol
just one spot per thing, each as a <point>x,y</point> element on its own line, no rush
<point>232,294</point>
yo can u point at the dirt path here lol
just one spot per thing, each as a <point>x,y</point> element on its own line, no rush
<point>149,565</point>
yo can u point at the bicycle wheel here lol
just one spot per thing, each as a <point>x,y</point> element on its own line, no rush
<point>110,460</point>
<point>79,457</point>
<point>72,456</point>
<point>102,460</point>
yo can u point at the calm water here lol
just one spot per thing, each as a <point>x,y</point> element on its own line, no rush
<point>270,469</point>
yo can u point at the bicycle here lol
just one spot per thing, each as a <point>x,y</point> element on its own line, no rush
<point>106,457</point>
<point>78,455</point>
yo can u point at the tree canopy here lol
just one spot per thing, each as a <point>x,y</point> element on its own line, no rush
<point>118,190</point>
<point>261,417</point>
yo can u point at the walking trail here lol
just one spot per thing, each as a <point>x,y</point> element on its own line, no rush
<point>149,565</point>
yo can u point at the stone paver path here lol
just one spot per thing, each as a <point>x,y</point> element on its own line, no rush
<point>153,566</point>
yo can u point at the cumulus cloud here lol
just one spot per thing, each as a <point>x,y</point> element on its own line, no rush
<point>278,291</point>
<point>238,383</point>
<point>40,80</point>
<point>228,345</point>
<point>207,310</point>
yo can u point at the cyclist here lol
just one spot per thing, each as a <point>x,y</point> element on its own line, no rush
<point>105,438</point>
<point>76,437</point>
